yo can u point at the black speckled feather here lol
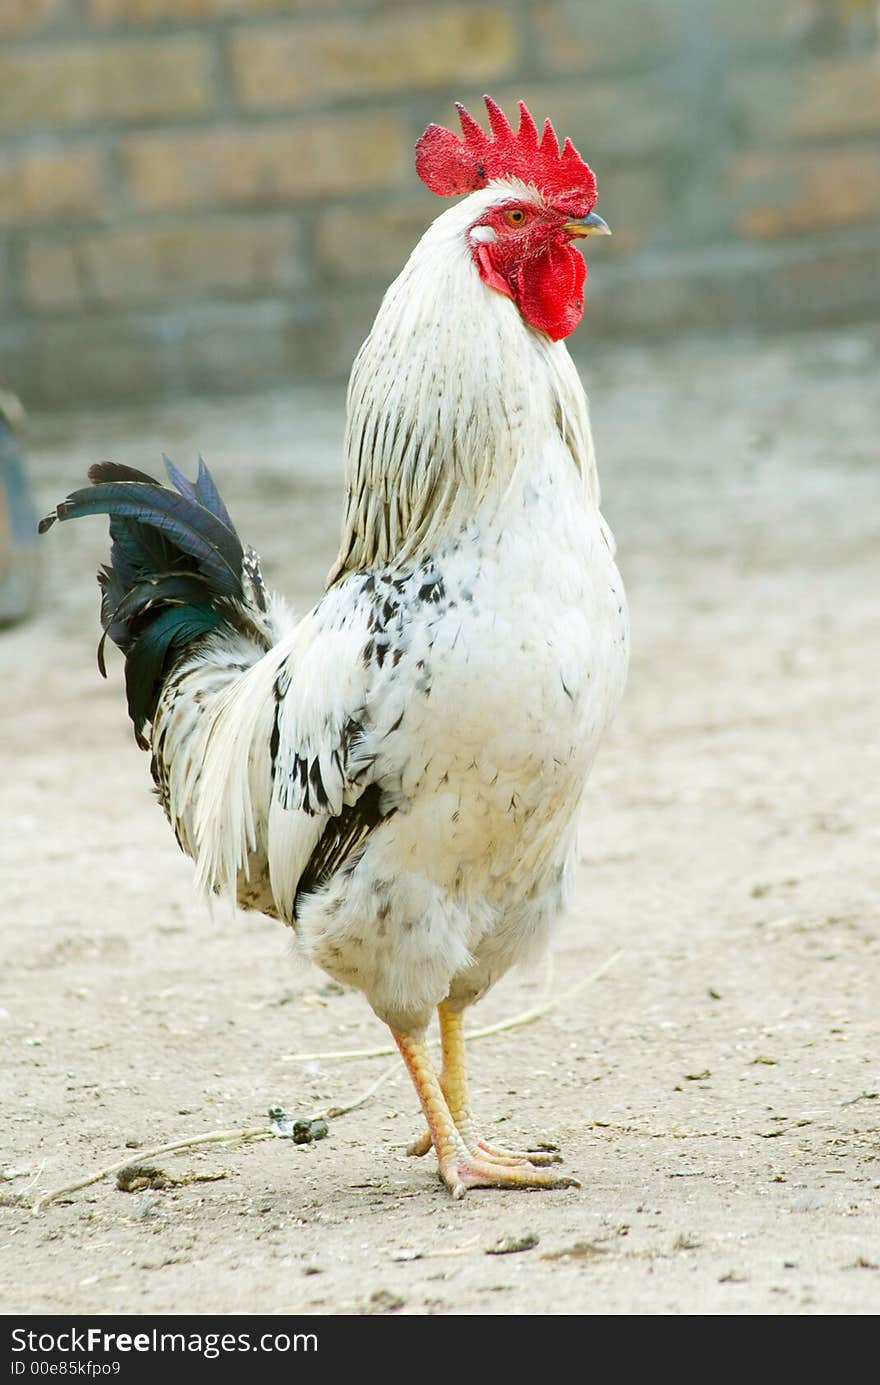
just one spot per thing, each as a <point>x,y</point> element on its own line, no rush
<point>341,840</point>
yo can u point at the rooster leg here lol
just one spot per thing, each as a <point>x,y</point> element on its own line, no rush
<point>454,1084</point>
<point>463,1167</point>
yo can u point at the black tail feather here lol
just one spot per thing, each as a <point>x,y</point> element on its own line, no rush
<point>202,491</point>
<point>187,526</point>
<point>115,471</point>
<point>175,571</point>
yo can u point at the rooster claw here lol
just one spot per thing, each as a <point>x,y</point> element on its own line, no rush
<point>467,1171</point>
<point>538,1158</point>
<point>423,1145</point>
<point>492,1154</point>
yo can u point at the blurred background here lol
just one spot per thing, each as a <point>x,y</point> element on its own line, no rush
<point>201,204</point>
<point>199,196</point>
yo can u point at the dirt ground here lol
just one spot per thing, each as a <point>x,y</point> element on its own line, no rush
<point>716,1091</point>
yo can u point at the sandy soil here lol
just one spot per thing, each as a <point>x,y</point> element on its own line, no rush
<point>716,1090</point>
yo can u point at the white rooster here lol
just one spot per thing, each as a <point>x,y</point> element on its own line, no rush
<point>398,775</point>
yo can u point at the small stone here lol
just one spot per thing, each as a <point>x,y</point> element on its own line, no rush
<point>135,1178</point>
<point>512,1245</point>
<point>381,1301</point>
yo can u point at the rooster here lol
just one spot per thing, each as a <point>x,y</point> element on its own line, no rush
<point>398,775</point>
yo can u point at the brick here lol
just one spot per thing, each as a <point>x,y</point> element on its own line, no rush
<point>343,321</point>
<point>268,164</point>
<point>37,186</point>
<point>778,193</point>
<point>783,27</point>
<point>632,118</point>
<point>804,282</point>
<point>824,284</point>
<point>375,242</point>
<point>641,209</point>
<point>87,83</point>
<point>6,277</point>
<point>156,11</point>
<point>18,17</point>
<point>239,256</point>
<point>749,23</point>
<point>228,347</point>
<point>49,277</point>
<point>830,99</point>
<point>284,65</point>
<point>91,359</point>
<point>576,37</point>
<point>667,293</point>
<point>163,263</point>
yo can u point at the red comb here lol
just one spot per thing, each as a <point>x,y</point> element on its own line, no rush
<point>450,164</point>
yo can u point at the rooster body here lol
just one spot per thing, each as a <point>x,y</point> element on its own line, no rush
<point>399,774</point>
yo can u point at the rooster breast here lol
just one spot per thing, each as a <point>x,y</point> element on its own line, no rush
<point>493,671</point>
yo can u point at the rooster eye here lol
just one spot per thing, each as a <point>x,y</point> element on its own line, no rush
<point>515,217</point>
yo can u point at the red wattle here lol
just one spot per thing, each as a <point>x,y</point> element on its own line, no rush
<point>490,274</point>
<point>550,290</point>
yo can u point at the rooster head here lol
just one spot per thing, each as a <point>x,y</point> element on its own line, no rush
<point>521,243</point>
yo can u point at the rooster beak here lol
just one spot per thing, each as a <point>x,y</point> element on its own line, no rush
<point>591,225</point>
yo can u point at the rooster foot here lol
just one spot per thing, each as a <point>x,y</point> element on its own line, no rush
<point>454,1087</point>
<point>465,1160</point>
<point>460,1170</point>
<point>487,1153</point>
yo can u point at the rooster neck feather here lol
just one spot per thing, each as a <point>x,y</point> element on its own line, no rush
<point>451,395</point>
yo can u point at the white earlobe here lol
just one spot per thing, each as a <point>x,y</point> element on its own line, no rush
<point>483,234</point>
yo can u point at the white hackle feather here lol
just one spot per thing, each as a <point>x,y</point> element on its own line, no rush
<point>449,393</point>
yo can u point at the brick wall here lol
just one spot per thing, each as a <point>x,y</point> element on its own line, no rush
<point>204,195</point>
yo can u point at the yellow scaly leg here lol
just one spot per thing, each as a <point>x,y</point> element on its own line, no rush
<point>450,1125</point>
